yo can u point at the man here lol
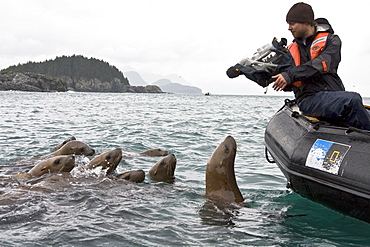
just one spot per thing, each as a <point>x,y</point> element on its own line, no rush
<point>316,53</point>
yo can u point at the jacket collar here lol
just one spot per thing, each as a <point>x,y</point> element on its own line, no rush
<point>320,28</point>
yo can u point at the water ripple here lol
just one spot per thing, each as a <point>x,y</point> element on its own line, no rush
<point>93,210</point>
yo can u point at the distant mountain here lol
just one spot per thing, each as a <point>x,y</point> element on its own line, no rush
<point>167,86</point>
<point>150,78</point>
<point>135,79</point>
<point>177,79</point>
<point>163,82</point>
<point>169,83</point>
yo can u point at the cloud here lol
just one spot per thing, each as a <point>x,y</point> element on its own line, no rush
<point>198,40</point>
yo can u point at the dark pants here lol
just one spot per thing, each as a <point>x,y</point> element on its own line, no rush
<point>337,107</point>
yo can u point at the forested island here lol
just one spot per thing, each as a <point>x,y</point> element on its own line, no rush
<point>76,73</point>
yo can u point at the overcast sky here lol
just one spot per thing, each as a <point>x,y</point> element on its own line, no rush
<point>195,39</point>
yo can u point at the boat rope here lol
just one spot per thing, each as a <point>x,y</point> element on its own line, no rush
<point>267,156</point>
<point>354,129</point>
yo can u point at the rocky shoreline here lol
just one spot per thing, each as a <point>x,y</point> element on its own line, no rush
<point>34,82</point>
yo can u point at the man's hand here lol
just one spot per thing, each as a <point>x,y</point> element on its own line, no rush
<point>280,82</point>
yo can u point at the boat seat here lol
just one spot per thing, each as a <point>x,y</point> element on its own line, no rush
<point>312,119</point>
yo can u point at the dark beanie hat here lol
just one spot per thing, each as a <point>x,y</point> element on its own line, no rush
<point>300,12</point>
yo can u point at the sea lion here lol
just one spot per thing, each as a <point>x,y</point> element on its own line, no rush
<point>164,169</point>
<point>220,176</point>
<point>108,160</point>
<point>72,147</point>
<point>136,176</point>
<point>64,142</point>
<point>155,152</point>
<point>61,163</point>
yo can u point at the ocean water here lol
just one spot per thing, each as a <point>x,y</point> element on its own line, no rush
<point>95,210</point>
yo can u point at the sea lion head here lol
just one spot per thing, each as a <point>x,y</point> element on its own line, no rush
<point>61,163</point>
<point>75,147</point>
<point>220,176</point>
<point>136,176</point>
<point>164,169</point>
<point>155,152</point>
<point>108,160</point>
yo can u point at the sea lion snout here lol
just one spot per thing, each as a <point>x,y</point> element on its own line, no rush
<point>136,176</point>
<point>77,148</point>
<point>66,163</point>
<point>87,151</point>
<point>92,152</point>
<point>62,163</point>
<point>164,169</point>
<point>155,152</point>
<point>71,162</point>
<point>172,167</point>
<point>108,160</point>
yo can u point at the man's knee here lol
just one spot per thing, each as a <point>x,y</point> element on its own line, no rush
<point>353,98</point>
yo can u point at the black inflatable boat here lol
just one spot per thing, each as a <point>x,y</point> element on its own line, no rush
<point>327,164</point>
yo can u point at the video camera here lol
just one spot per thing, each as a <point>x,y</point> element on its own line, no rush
<point>263,63</point>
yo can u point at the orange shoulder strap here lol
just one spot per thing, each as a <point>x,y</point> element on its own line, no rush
<point>294,51</point>
<point>318,44</point>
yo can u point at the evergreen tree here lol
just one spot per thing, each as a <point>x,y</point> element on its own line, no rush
<point>75,67</point>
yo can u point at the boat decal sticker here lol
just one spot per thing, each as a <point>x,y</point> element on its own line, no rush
<point>327,156</point>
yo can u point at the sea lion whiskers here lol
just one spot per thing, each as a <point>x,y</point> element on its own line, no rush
<point>164,169</point>
<point>171,170</point>
<point>108,160</point>
<point>63,167</point>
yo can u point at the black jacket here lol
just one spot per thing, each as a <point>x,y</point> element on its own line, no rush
<point>310,72</point>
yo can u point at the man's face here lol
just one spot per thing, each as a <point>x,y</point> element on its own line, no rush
<point>298,30</point>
